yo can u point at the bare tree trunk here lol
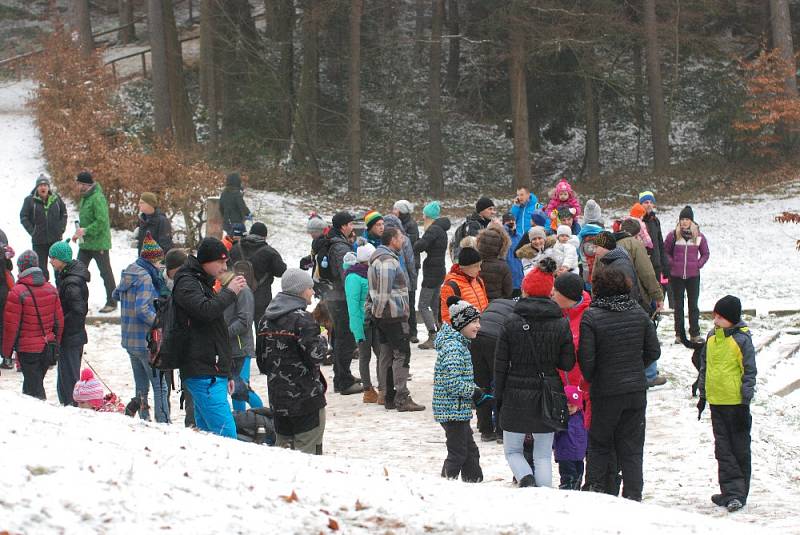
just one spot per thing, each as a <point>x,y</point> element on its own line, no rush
<point>454,57</point>
<point>638,96</point>
<point>162,114</point>
<point>419,26</point>
<point>180,109</point>
<point>658,118</point>
<point>305,120</point>
<point>209,69</point>
<point>82,24</point>
<point>127,32</point>
<point>592,128</point>
<point>435,155</point>
<point>519,106</point>
<point>781,24</point>
<point>354,102</point>
<point>284,36</point>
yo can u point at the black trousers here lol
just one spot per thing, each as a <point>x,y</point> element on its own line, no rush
<point>43,252</point>
<point>571,473</point>
<point>463,456</point>
<point>34,367</point>
<point>618,428</point>
<point>69,371</point>
<point>691,288</point>
<point>344,345</point>
<point>731,425</point>
<point>412,317</point>
<point>103,261</point>
<point>482,351</point>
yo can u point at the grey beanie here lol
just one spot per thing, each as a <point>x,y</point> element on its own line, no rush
<point>592,213</point>
<point>403,206</point>
<point>295,281</point>
<point>315,224</point>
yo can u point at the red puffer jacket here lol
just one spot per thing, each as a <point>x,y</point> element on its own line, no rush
<point>21,328</point>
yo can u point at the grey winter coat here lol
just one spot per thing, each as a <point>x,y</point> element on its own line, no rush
<point>239,317</point>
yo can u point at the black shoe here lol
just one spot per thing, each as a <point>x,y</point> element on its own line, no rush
<point>719,499</point>
<point>488,437</point>
<point>734,505</point>
<point>414,340</point>
<point>354,388</point>
<point>7,364</point>
<point>527,481</point>
<point>499,439</point>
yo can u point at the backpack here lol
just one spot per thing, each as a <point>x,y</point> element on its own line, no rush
<point>469,227</point>
<point>245,268</point>
<point>255,425</point>
<point>324,266</point>
<point>168,337</point>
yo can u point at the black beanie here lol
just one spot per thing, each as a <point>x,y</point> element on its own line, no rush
<point>468,256</point>
<point>483,203</point>
<point>605,240</point>
<point>211,250</point>
<point>259,229</point>
<point>570,286</point>
<point>85,177</point>
<point>687,213</point>
<point>631,226</point>
<point>340,219</point>
<point>234,179</point>
<point>730,308</point>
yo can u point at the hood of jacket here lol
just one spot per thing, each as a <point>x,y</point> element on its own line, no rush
<point>615,254</point>
<point>76,269</point>
<point>32,276</point>
<point>382,252</point>
<point>493,242</point>
<point>443,223</point>
<point>283,304</point>
<point>91,191</point>
<point>251,243</point>
<point>537,308</point>
<point>131,276</point>
<point>392,221</point>
<point>447,335</point>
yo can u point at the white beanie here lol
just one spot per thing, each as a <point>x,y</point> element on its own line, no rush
<point>403,206</point>
<point>364,252</point>
<point>564,230</point>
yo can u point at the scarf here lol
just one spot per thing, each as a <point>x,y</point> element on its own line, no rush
<point>155,276</point>
<point>359,269</point>
<point>616,303</point>
<point>686,233</point>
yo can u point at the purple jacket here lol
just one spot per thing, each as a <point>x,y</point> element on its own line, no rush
<point>570,445</point>
<point>686,258</point>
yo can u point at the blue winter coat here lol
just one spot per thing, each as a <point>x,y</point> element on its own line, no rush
<point>523,215</point>
<point>517,274</point>
<point>570,445</point>
<point>453,380</point>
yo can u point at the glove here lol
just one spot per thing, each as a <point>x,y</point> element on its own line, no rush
<point>701,406</point>
<point>306,263</point>
<point>479,397</point>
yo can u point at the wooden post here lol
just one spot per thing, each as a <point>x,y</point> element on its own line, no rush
<point>214,221</point>
<point>144,65</point>
<point>114,71</point>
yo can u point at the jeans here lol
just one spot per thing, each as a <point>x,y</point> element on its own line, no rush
<point>143,376</point>
<point>365,350</point>
<point>412,313</point>
<point>482,351</point>
<point>69,371</point>
<point>253,399</point>
<point>542,457</point>
<point>651,372</point>
<point>344,345</point>
<point>463,456</point>
<point>691,287</point>
<point>103,261</point>
<point>211,410</point>
<point>571,473</point>
<point>34,367</point>
<point>429,307</point>
<point>396,357</point>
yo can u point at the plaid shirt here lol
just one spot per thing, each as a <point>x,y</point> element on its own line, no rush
<point>136,295</point>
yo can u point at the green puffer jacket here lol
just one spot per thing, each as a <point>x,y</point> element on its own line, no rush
<point>728,366</point>
<point>94,218</point>
<point>453,378</point>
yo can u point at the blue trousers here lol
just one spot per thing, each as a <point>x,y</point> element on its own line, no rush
<point>211,410</point>
<point>253,400</point>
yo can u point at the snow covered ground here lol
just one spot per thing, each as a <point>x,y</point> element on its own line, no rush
<point>67,470</point>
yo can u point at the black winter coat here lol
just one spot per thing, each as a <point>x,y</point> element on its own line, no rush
<point>290,353</point>
<point>44,226</point>
<point>615,348</point>
<point>658,257</point>
<point>73,291</point>
<point>494,317</point>
<point>434,243</point>
<point>526,362</point>
<point>203,313</point>
<point>267,264</point>
<point>339,247</point>
<point>411,229</point>
<point>618,259</point>
<point>159,227</point>
<point>232,206</point>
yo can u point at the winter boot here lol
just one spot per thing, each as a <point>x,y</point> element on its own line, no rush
<point>7,364</point>
<point>488,437</point>
<point>697,339</point>
<point>414,340</point>
<point>370,395</point>
<point>354,388</point>
<point>388,401</point>
<point>734,505</point>
<point>408,405</point>
<point>527,481</point>
<point>428,344</point>
<point>110,307</point>
<point>657,381</point>
<point>719,499</point>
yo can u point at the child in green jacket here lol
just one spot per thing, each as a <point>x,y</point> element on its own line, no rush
<point>356,289</point>
<point>727,381</point>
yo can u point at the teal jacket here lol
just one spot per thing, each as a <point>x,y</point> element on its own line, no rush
<point>356,289</point>
<point>93,211</point>
<point>453,380</point>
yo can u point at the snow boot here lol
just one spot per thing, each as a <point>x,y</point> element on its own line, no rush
<point>488,437</point>
<point>658,381</point>
<point>408,405</point>
<point>697,339</point>
<point>719,499</point>
<point>109,308</point>
<point>414,340</point>
<point>370,395</point>
<point>428,344</point>
<point>734,505</point>
<point>527,481</point>
<point>354,388</point>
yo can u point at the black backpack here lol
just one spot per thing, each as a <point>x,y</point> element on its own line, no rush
<point>168,337</point>
<point>469,227</point>
<point>323,261</point>
<point>244,267</point>
<point>255,425</point>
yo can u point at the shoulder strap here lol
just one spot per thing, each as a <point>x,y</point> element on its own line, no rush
<point>455,287</point>
<point>36,307</point>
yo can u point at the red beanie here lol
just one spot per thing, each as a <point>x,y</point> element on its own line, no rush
<point>538,283</point>
<point>86,374</point>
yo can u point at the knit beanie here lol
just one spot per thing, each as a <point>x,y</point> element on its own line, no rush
<point>149,198</point>
<point>592,213</point>
<point>432,210</point>
<point>563,230</point>
<point>631,226</point>
<point>574,396</point>
<point>211,250</point>
<point>730,308</point>
<point>605,240</point>
<point>539,281</point>
<point>151,250</point>
<point>175,258</point>
<point>315,223</point>
<point>42,179</point>
<point>340,219</point>
<point>570,285</point>
<point>372,217</point>
<point>61,250</point>
<point>638,211</point>
<point>259,229</point>
<point>364,252</point>
<point>461,312</point>
<point>647,196</point>
<point>687,213</point>
<point>88,389</point>
<point>468,257</point>
<point>536,232</point>
<point>349,260</point>
<point>564,212</point>
<point>85,177</point>
<point>28,259</point>
<point>234,179</point>
<point>295,281</point>
<point>540,219</point>
<point>483,203</point>
<point>403,206</point>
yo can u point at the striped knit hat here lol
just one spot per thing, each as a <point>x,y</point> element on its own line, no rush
<point>151,250</point>
<point>88,389</point>
<point>647,196</point>
<point>372,217</point>
<point>28,259</point>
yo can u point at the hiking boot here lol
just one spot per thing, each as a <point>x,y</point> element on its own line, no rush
<point>381,398</point>
<point>734,505</point>
<point>370,395</point>
<point>354,388</point>
<point>7,364</point>
<point>414,340</point>
<point>718,499</point>
<point>697,339</point>
<point>527,481</point>
<point>499,438</point>
<point>388,404</point>
<point>658,381</point>
<point>109,308</point>
<point>409,406</point>
<point>488,437</point>
<point>428,344</point>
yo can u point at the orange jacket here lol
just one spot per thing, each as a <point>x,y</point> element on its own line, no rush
<point>472,291</point>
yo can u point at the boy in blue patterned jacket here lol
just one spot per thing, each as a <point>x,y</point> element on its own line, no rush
<point>454,390</point>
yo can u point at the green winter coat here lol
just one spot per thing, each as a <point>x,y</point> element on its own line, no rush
<point>94,219</point>
<point>728,366</point>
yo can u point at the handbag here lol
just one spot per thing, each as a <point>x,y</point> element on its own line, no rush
<point>51,349</point>
<point>554,402</point>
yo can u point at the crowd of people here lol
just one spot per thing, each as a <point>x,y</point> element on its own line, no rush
<point>544,323</point>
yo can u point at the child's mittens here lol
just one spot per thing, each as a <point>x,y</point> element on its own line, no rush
<point>479,397</point>
<point>701,406</point>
